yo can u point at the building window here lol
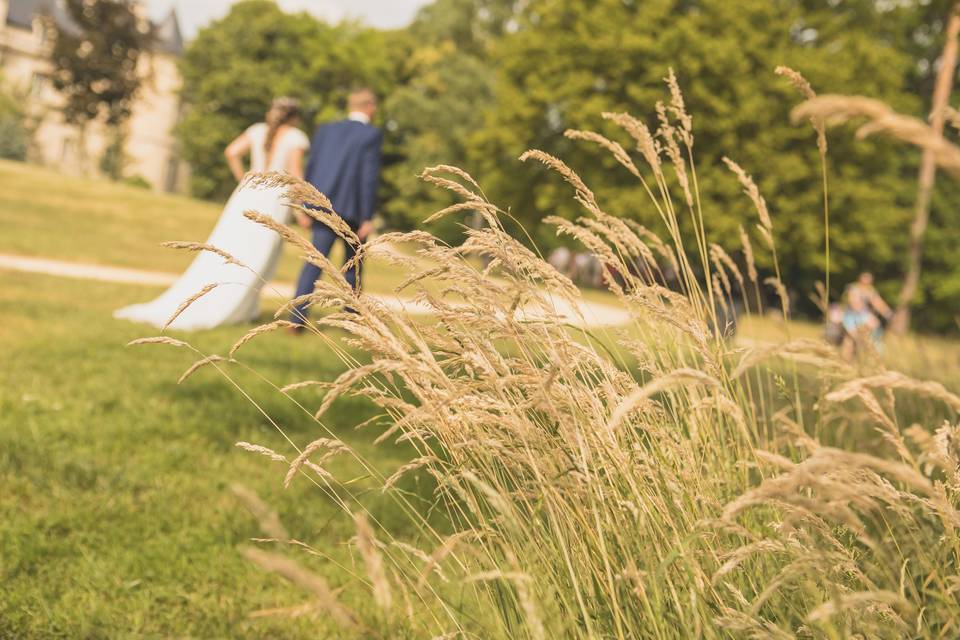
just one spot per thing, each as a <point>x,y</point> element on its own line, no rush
<point>173,173</point>
<point>41,30</point>
<point>37,84</point>
<point>69,152</point>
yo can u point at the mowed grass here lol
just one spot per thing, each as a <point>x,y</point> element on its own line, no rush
<point>116,517</point>
<point>49,215</point>
<point>115,511</point>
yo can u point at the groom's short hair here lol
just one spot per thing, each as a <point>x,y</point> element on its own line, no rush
<point>361,97</point>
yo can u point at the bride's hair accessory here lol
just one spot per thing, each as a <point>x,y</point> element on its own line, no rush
<point>282,111</point>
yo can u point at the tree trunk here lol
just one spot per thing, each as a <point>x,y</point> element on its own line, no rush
<point>82,156</point>
<point>928,172</point>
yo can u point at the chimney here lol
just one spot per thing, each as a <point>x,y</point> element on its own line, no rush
<point>139,8</point>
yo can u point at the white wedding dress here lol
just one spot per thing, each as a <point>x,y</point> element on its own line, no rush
<point>236,298</point>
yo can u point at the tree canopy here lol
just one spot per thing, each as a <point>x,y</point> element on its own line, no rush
<point>477,82</point>
<point>238,65</point>
<point>96,56</point>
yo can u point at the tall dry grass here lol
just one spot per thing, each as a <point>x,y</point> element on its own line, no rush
<point>656,481</point>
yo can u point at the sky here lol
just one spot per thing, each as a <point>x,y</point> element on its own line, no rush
<point>385,14</point>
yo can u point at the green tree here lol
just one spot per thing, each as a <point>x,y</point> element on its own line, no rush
<point>236,66</point>
<point>14,134</point>
<point>476,82</point>
<point>95,57</point>
<point>471,26</point>
<point>569,61</point>
<point>445,88</point>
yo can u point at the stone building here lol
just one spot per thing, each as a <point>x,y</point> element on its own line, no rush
<point>151,149</point>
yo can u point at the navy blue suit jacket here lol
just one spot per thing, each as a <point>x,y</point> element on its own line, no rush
<point>344,165</point>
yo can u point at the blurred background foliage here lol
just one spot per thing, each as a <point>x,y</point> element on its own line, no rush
<point>476,82</point>
<point>14,129</point>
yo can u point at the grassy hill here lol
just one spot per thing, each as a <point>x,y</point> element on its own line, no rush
<point>116,514</point>
<point>50,215</point>
<point>43,213</point>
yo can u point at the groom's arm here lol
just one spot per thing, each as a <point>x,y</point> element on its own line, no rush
<point>314,153</point>
<point>370,177</point>
<point>303,219</point>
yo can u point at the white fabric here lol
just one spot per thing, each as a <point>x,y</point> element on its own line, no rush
<point>236,299</point>
<point>283,146</point>
<point>359,116</point>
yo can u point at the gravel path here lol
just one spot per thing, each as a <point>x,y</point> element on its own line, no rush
<point>594,314</point>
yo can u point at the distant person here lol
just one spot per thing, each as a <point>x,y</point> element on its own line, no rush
<point>860,318</point>
<point>834,332</point>
<point>587,270</point>
<point>274,145</point>
<point>561,259</point>
<point>344,165</point>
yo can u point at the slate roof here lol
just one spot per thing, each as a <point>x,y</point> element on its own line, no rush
<point>21,13</point>
<point>169,36</point>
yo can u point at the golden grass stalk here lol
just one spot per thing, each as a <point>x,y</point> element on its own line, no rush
<point>835,109</point>
<point>679,109</point>
<point>614,148</point>
<point>325,597</point>
<point>432,176</point>
<point>303,385</point>
<point>330,447</point>
<point>257,331</point>
<point>898,381</point>
<point>668,381</point>
<point>800,83</point>
<point>373,561</point>
<point>266,517</point>
<point>416,463</point>
<point>583,193</point>
<point>296,611</point>
<point>173,342</point>
<point>748,256</point>
<point>844,602</point>
<point>652,481</point>
<point>200,246</point>
<point>781,290</point>
<point>750,188</point>
<point>189,301</point>
<point>668,135</point>
<point>803,86</point>
<point>641,135</point>
<point>199,364</point>
<point>265,451</point>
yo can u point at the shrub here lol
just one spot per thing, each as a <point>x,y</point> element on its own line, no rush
<point>654,481</point>
<point>14,134</point>
<point>137,181</point>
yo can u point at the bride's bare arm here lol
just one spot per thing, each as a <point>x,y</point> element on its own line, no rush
<point>295,168</point>
<point>235,152</point>
<point>295,164</point>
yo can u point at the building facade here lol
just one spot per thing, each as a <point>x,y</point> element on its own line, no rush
<point>151,150</point>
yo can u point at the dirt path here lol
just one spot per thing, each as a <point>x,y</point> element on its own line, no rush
<point>594,314</point>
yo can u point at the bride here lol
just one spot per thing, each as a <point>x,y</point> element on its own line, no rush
<point>274,145</point>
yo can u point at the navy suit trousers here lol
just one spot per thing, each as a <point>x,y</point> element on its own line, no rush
<point>323,239</point>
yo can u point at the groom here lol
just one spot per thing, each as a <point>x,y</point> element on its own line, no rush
<point>344,165</point>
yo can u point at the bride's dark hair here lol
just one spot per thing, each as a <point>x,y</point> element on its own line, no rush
<point>282,111</point>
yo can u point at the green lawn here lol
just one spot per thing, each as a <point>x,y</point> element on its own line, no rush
<point>115,513</point>
<point>101,222</point>
<point>49,215</point>
<point>116,517</point>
